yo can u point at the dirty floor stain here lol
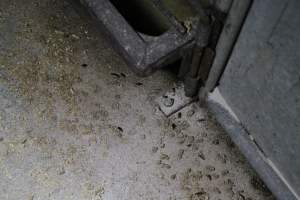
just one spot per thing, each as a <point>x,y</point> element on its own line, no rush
<point>76,123</point>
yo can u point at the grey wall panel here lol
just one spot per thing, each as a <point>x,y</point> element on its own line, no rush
<point>261,82</point>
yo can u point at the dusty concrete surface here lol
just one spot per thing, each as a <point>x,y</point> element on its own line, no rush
<point>75,123</point>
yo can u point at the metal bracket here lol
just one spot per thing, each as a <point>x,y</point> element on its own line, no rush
<point>144,52</point>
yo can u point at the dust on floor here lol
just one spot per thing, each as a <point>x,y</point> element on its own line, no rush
<point>76,123</point>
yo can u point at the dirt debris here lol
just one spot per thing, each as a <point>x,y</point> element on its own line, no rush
<point>180,154</point>
<point>75,122</point>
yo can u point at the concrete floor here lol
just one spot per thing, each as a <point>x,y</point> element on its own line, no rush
<point>76,123</point>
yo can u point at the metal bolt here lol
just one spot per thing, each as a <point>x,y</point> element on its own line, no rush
<point>169,102</point>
